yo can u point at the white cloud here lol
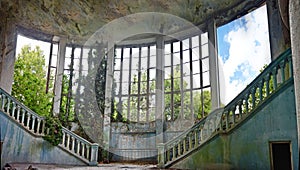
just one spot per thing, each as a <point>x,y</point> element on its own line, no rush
<point>249,51</point>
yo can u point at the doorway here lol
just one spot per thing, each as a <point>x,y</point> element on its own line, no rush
<point>281,156</point>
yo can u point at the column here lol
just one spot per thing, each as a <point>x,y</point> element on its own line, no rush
<point>278,33</point>
<point>8,37</point>
<point>59,75</point>
<point>294,15</point>
<point>108,97</point>
<point>213,65</point>
<point>159,90</point>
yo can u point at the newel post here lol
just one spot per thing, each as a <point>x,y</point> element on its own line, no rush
<point>94,154</point>
<point>161,155</point>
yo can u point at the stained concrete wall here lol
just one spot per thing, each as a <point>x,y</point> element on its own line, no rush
<point>20,146</point>
<point>136,141</point>
<point>247,146</point>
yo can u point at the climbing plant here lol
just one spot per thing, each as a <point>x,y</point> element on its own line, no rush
<point>29,88</point>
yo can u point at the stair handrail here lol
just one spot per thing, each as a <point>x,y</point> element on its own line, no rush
<point>79,146</point>
<point>234,112</point>
<point>35,125</point>
<point>22,114</point>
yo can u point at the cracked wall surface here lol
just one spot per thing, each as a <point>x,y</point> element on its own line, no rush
<point>79,19</point>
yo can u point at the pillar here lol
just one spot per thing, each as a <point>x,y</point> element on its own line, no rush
<point>213,65</point>
<point>8,39</point>
<point>294,18</point>
<point>59,75</point>
<point>278,33</point>
<point>159,90</point>
<point>108,97</point>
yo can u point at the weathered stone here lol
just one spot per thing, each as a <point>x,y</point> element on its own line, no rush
<point>79,19</point>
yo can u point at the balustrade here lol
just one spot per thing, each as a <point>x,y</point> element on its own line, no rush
<point>79,146</point>
<point>35,124</point>
<point>235,112</point>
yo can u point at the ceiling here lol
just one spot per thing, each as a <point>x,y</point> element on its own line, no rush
<point>79,19</point>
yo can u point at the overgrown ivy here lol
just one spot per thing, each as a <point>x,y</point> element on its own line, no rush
<point>54,133</point>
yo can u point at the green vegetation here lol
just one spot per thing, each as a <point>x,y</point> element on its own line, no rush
<point>29,81</point>
<point>197,98</point>
<point>29,88</point>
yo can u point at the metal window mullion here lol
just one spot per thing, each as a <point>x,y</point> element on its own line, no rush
<point>79,79</point>
<point>49,67</point>
<point>172,83</point>
<point>139,84</point>
<point>191,79</point>
<point>129,84</point>
<point>201,75</point>
<point>69,95</point>
<point>181,81</point>
<point>121,83</point>
<point>148,84</point>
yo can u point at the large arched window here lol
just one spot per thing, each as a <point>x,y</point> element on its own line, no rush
<point>186,76</point>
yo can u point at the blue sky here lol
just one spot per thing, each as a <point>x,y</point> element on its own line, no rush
<point>243,47</point>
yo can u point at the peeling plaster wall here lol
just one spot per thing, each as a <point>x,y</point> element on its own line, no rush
<point>79,19</point>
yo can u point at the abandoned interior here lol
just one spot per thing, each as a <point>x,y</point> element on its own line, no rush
<point>142,81</point>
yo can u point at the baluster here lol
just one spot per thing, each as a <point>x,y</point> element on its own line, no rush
<point>38,125</point>
<point>83,149</point>
<point>184,145</point>
<point>260,87</point>
<point>267,85</point>
<point>274,72</point>
<point>18,113</point>
<point>63,138</point>
<point>190,141</point>
<point>78,147</point>
<point>196,137</point>
<point>1,99</point>
<point>28,119</point>
<point>12,114</point>
<point>23,115</point>
<point>43,126</point>
<point>179,148</point>
<point>33,122</point>
<point>73,144</point>
<point>253,97</point>
<point>68,142</point>
<point>8,106</point>
<point>173,150</point>
<point>282,68</point>
<point>87,152</point>
<point>201,133</point>
<point>3,102</point>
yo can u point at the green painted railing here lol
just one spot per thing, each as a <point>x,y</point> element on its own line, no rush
<point>35,124</point>
<point>278,73</point>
